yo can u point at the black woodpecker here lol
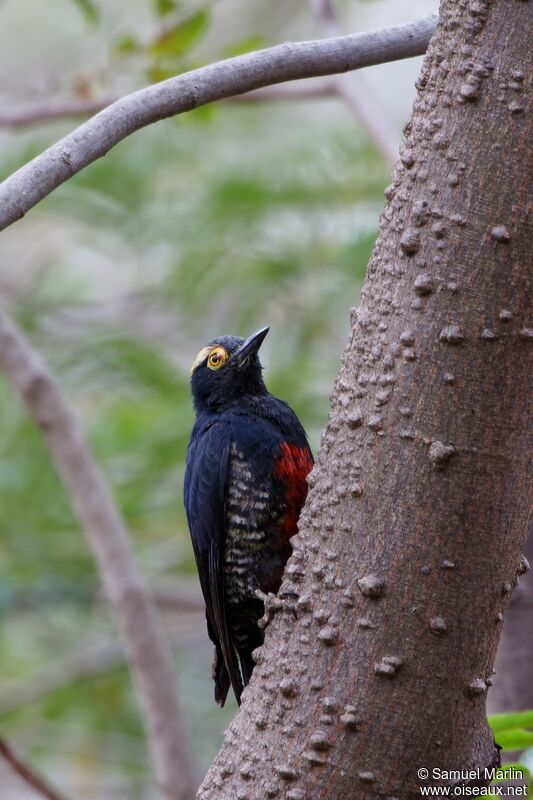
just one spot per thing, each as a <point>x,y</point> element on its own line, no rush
<point>245,484</point>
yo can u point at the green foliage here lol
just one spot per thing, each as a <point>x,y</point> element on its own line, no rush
<point>126,45</point>
<point>181,37</point>
<point>89,10</point>
<point>513,732</point>
<point>513,720</point>
<point>246,45</point>
<point>515,739</point>
<point>165,6</point>
<point>167,53</point>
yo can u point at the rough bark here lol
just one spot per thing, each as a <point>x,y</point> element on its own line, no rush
<point>412,537</point>
<point>513,682</point>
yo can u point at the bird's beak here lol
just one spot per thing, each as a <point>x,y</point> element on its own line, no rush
<point>250,346</point>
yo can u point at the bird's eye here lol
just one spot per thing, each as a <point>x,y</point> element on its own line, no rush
<point>217,358</point>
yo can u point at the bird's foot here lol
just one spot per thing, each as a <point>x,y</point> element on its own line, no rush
<point>274,603</point>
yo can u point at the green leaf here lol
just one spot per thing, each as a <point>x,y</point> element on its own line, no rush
<point>244,46</point>
<point>516,739</point>
<point>513,719</point>
<point>179,39</point>
<point>155,73</point>
<point>165,6</point>
<point>201,115</point>
<point>125,45</point>
<point>89,10</point>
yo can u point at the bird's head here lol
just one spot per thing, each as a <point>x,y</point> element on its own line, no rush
<point>227,369</point>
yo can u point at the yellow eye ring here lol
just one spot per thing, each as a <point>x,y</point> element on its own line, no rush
<point>217,358</point>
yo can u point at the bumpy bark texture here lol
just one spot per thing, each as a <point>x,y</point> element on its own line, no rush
<point>411,540</point>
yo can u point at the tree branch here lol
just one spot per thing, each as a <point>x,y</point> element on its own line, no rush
<point>27,774</point>
<point>147,650</point>
<point>53,111</point>
<point>37,115</point>
<point>355,96</point>
<point>235,76</point>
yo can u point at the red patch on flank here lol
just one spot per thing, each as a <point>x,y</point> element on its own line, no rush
<point>292,467</point>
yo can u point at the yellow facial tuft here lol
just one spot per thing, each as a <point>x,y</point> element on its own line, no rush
<point>202,355</point>
<point>216,356</point>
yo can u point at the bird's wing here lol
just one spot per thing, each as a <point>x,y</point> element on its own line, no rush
<point>205,490</point>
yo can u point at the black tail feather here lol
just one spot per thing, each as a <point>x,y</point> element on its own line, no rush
<point>221,679</point>
<point>247,666</point>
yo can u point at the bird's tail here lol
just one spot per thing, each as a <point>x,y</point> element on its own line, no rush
<point>221,678</point>
<point>247,665</point>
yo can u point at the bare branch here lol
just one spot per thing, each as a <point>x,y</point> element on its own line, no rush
<point>54,111</point>
<point>356,97</point>
<point>310,90</point>
<point>235,76</point>
<point>147,650</point>
<point>28,775</point>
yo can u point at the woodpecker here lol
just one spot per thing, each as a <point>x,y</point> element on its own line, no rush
<point>245,484</point>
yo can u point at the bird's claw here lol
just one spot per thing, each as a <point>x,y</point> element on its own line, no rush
<point>274,603</point>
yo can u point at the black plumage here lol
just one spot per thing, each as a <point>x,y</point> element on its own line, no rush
<point>245,483</point>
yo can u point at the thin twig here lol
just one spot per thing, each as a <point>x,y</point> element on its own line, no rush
<point>28,775</point>
<point>235,76</point>
<point>356,97</point>
<point>54,111</point>
<point>146,647</point>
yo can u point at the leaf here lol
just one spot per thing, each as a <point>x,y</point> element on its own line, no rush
<point>165,6</point>
<point>156,74</point>
<point>201,115</point>
<point>125,45</point>
<point>89,11</point>
<point>516,739</point>
<point>514,719</point>
<point>244,46</point>
<point>181,37</point>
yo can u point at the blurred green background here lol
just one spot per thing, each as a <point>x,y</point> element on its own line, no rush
<point>221,221</point>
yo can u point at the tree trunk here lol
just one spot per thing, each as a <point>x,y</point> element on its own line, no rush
<point>411,540</point>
